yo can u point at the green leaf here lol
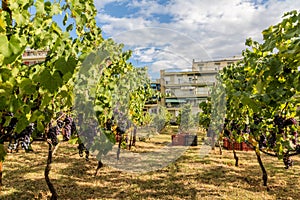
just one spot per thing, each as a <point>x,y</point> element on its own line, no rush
<point>2,24</point>
<point>35,115</point>
<point>60,137</point>
<point>27,87</point>
<point>67,76</point>
<point>73,140</point>
<point>5,74</point>
<point>40,126</point>
<point>4,50</point>
<point>239,139</point>
<point>251,103</point>
<point>14,5</point>
<point>39,4</point>
<point>50,82</point>
<point>259,86</point>
<point>70,27</point>
<point>19,17</point>
<point>45,78</point>
<point>46,100</point>
<point>65,19</point>
<point>66,66</point>
<point>22,123</point>
<point>56,28</point>
<point>56,9</point>
<point>15,44</point>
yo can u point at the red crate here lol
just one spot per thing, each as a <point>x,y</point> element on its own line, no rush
<point>225,143</point>
<point>237,146</point>
<point>229,146</point>
<point>245,147</point>
<point>178,140</point>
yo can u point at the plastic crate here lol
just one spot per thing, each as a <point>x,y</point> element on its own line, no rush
<point>229,145</point>
<point>225,143</point>
<point>237,146</point>
<point>245,147</point>
<point>178,140</point>
<point>184,140</point>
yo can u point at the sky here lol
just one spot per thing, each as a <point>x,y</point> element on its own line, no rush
<point>169,34</point>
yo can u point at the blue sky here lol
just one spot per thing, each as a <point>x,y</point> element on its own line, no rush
<point>169,34</point>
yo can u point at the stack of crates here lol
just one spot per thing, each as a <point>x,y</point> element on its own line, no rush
<point>237,146</point>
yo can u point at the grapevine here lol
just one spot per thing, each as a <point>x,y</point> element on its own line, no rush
<point>263,93</point>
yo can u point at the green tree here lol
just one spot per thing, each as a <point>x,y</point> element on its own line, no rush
<point>161,119</point>
<point>185,119</point>
<point>205,114</point>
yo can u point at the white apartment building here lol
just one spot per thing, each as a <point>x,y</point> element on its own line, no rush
<point>191,87</point>
<point>214,65</point>
<point>31,57</point>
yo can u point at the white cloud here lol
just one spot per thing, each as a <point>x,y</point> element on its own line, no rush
<point>198,29</point>
<point>149,7</point>
<point>101,3</point>
<point>115,26</point>
<point>145,55</point>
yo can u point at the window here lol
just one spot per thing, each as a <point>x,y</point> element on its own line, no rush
<point>217,65</point>
<point>154,110</point>
<point>167,79</point>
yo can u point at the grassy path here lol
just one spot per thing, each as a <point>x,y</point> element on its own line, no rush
<point>190,177</point>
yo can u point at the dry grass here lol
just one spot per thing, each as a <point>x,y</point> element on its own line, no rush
<point>190,177</point>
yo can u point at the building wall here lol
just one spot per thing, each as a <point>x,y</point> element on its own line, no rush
<point>153,103</point>
<point>214,65</point>
<point>191,87</point>
<point>31,57</point>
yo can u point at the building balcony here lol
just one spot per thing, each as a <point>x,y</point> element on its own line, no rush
<point>195,84</point>
<point>195,95</point>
